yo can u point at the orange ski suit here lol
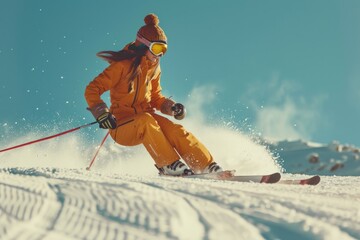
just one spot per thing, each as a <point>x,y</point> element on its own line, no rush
<point>133,106</point>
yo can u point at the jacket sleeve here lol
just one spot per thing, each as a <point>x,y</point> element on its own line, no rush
<point>157,99</point>
<point>102,83</point>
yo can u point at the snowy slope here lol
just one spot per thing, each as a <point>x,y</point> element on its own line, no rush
<point>315,158</point>
<point>52,203</point>
<point>46,193</point>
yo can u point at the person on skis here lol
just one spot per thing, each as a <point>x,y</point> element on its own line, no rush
<point>133,79</point>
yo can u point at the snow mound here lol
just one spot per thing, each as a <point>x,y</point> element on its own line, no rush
<point>315,158</point>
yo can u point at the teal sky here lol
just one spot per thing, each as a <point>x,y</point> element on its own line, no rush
<point>289,69</point>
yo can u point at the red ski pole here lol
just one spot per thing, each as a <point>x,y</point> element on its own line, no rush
<point>49,137</point>
<point>102,143</point>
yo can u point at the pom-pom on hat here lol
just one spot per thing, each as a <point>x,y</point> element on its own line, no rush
<point>151,30</point>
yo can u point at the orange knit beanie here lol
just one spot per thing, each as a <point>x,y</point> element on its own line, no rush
<point>151,30</point>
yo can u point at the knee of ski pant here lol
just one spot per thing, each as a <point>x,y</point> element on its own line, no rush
<point>146,126</point>
<point>133,132</point>
<point>125,135</point>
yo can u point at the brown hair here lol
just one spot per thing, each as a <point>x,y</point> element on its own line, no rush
<point>132,52</point>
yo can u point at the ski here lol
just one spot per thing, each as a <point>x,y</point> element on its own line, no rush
<point>314,180</point>
<point>270,178</point>
<point>228,175</point>
<point>223,175</point>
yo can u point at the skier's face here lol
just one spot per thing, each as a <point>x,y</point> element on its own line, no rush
<point>150,56</point>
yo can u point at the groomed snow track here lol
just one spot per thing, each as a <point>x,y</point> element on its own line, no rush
<point>50,203</point>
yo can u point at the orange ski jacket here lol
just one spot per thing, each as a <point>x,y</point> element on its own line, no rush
<point>127,98</point>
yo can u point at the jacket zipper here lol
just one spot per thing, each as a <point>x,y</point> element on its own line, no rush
<point>136,94</point>
<point>137,89</point>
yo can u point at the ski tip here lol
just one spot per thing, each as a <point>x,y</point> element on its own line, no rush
<point>272,178</point>
<point>311,181</point>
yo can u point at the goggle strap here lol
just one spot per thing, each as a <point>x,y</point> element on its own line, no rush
<point>143,40</point>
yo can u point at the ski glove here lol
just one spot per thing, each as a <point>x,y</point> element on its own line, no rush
<point>103,116</point>
<point>179,111</point>
<point>107,121</point>
<point>171,108</point>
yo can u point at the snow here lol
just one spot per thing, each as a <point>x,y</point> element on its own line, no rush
<point>46,193</point>
<point>55,203</point>
<point>315,158</point>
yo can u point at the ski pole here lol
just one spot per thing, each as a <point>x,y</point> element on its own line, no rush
<point>49,137</point>
<point>102,143</point>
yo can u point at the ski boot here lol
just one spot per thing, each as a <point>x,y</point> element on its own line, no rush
<point>177,168</point>
<point>213,168</point>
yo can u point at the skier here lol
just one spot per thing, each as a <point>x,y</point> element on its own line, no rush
<point>133,79</point>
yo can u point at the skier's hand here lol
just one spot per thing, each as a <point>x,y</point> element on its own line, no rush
<point>172,108</point>
<point>102,115</point>
<point>179,111</point>
<point>107,121</point>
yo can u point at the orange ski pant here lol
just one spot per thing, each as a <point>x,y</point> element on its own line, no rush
<point>164,140</point>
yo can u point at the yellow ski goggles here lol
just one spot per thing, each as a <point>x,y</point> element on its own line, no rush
<point>156,48</point>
